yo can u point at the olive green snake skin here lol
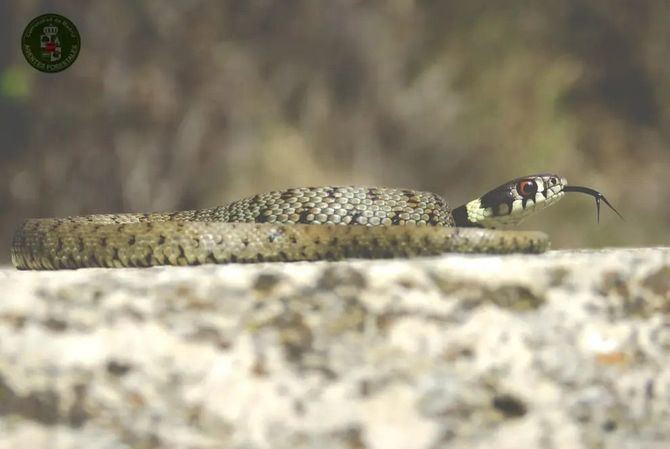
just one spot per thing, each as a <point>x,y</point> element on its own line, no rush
<point>319,223</point>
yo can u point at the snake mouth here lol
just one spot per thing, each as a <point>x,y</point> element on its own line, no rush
<point>595,194</point>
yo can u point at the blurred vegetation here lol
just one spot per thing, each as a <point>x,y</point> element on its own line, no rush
<point>185,104</point>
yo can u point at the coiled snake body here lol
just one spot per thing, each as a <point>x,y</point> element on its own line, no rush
<point>295,224</point>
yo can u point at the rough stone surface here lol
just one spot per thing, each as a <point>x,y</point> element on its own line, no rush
<point>566,350</point>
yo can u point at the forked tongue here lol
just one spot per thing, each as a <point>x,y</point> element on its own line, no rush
<point>595,194</point>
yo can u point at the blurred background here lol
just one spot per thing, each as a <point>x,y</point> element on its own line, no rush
<point>190,103</point>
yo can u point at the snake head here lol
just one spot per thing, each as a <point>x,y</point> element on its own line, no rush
<point>513,201</point>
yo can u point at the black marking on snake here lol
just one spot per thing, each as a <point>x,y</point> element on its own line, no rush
<point>131,240</point>
<point>396,220</point>
<point>286,194</point>
<point>302,216</point>
<point>96,261</point>
<point>59,245</point>
<point>233,258</point>
<point>182,253</point>
<point>460,216</point>
<point>413,203</point>
<point>147,259</point>
<point>495,197</point>
<point>260,257</point>
<point>274,235</point>
<point>103,242</point>
<point>161,239</point>
<point>408,194</point>
<point>365,252</point>
<point>245,242</point>
<point>426,240</point>
<point>372,194</point>
<point>80,244</point>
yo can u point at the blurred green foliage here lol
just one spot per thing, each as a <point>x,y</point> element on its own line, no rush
<point>16,82</point>
<point>176,105</point>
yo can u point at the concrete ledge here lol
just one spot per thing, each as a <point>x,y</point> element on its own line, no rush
<point>570,349</point>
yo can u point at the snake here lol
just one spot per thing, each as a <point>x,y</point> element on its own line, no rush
<point>298,224</point>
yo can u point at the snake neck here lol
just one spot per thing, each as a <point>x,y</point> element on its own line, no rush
<point>478,214</point>
<point>469,215</point>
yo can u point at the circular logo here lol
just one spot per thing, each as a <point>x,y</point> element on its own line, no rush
<point>50,43</point>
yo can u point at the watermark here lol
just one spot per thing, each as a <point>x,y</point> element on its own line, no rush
<point>50,43</point>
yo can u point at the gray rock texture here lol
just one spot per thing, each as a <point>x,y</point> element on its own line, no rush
<point>570,349</point>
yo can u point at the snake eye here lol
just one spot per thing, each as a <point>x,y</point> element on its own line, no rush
<point>527,188</point>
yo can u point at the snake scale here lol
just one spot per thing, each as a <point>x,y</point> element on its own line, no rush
<point>313,223</point>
